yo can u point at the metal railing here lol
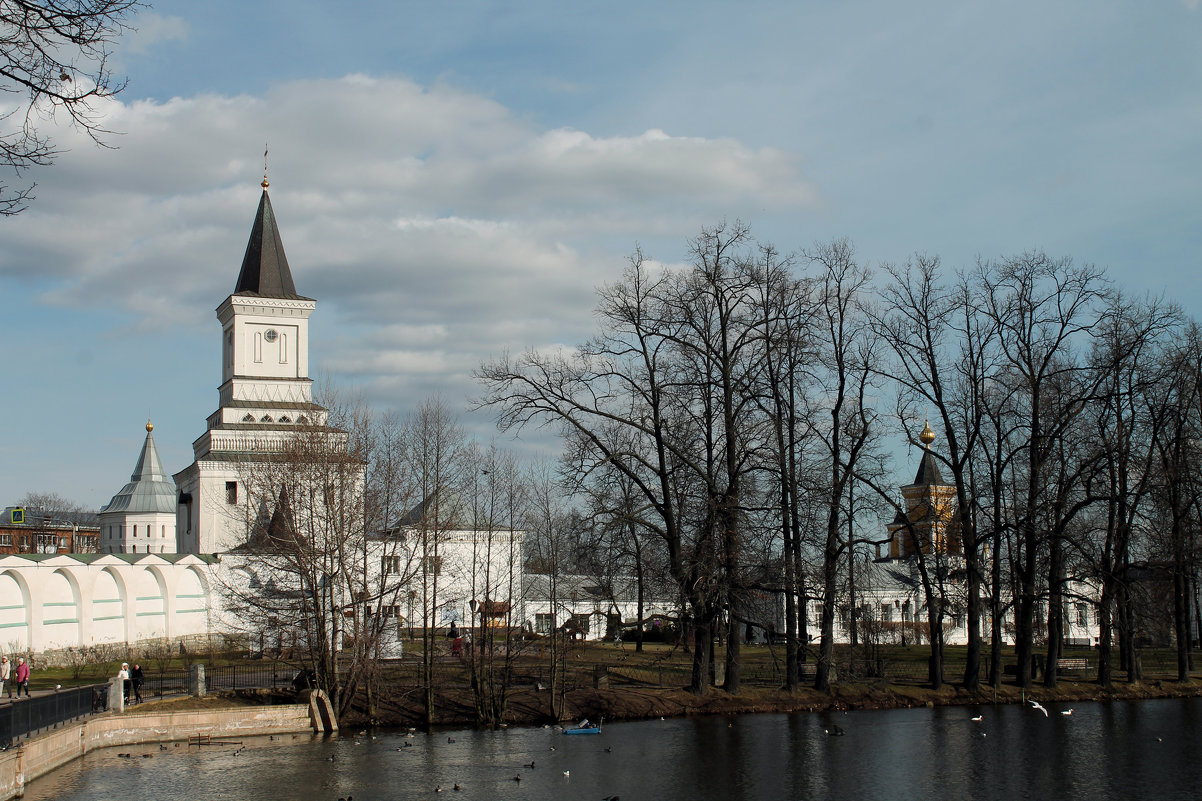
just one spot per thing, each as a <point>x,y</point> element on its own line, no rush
<point>23,718</point>
<point>249,677</point>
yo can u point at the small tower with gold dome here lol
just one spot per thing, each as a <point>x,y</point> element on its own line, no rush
<point>929,518</point>
<point>141,517</point>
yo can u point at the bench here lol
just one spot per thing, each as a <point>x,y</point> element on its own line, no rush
<point>1072,665</point>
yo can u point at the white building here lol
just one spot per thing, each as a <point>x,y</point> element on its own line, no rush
<point>588,608</point>
<point>264,396</point>
<point>141,517</point>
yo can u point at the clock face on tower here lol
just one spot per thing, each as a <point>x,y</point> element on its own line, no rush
<point>270,335</point>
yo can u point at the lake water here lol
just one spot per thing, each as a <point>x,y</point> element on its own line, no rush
<point>1123,750</point>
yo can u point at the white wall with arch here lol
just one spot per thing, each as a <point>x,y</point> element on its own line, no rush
<point>55,601</point>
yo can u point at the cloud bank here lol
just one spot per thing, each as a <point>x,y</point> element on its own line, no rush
<point>434,225</point>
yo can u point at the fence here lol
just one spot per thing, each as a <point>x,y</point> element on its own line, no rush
<point>26,717</point>
<point>23,718</point>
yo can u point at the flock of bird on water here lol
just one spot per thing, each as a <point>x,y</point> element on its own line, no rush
<point>833,731</point>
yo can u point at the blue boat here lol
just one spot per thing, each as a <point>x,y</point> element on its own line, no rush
<point>585,728</point>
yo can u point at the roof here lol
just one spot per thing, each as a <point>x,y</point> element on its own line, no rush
<point>106,558</point>
<point>150,489</point>
<point>928,471</point>
<point>575,587</point>
<point>265,270</point>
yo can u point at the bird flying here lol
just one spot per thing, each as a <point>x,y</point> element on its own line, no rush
<point>1039,706</point>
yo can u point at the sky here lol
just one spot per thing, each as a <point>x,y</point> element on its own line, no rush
<point>453,180</point>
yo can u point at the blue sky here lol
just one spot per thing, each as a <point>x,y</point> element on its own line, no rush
<point>453,179</point>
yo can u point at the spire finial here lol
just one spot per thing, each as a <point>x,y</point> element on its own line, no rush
<point>265,183</point>
<point>927,436</point>
<point>149,425</point>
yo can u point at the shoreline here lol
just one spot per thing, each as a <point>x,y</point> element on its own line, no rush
<point>532,707</point>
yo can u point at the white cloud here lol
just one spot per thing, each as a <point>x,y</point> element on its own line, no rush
<point>434,227</point>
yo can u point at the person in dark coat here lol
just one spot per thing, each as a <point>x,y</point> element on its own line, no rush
<point>138,679</point>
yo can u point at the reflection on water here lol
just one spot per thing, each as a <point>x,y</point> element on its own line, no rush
<point>1121,750</point>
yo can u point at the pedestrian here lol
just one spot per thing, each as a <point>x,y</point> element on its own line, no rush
<point>6,672</point>
<point>138,679</point>
<point>22,676</point>
<point>124,675</point>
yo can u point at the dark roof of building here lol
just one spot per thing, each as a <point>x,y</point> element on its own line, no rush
<point>265,270</point>
<point>928,471</point>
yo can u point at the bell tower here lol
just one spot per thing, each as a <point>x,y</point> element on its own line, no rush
<point>264,398</point>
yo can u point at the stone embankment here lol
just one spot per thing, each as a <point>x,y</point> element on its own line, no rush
<point>52,749</point>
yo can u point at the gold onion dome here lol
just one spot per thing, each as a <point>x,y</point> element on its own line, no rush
<point>927,436</point>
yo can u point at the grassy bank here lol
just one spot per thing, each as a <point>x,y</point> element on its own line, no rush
<point>620,683</point>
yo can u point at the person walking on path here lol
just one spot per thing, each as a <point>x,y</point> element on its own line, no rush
<point>6,673</point>
<point>123,674</point>
<point>137,677</point>
<point>22,676</point>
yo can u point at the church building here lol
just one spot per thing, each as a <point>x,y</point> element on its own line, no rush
<point>929,520</point>
<point>265,395</point>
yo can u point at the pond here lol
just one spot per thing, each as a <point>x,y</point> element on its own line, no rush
<point>1143,749</point>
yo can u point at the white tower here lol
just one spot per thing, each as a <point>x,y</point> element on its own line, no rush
<point>141,517</point>
<point>265,392</point>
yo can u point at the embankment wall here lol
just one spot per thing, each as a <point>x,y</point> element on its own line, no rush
<point>53,749</point>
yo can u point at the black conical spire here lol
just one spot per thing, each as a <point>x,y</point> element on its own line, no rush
<point>265,267</point>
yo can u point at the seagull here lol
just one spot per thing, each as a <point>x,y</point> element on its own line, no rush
<point>1066,711</point>
<point>1039,706</point>
<point>567,773</point>
<point>978,718</point>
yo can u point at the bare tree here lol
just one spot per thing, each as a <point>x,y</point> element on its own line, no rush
<point>840,411</point>
<point>303,572</point>
<point>436,453</point>
<point>54,58</point>
<point>1042,309</point>
<point>659,395</point>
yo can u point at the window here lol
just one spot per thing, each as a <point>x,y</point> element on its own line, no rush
<point>1082,615</point>
<point>887,613</point>
<point>391,564</point>
<point>6,539</point>
<point>231,492</point>
<point>433,565</point>
<point>543,623</point>
<point>248,418</point>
